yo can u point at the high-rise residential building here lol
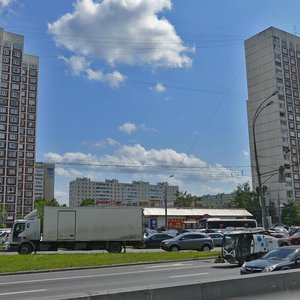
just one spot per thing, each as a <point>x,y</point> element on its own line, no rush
<point>44,181</point>
<point>273,75</point>
<point>18,102</point>
<point>112,192</point>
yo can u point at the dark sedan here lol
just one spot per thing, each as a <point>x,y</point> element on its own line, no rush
<point>154,240</point>
<point>282,258</point>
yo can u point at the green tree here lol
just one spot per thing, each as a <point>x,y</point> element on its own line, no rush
<point>2,215</point>
<point>183,199</point>
<point>291,214</point>
<point>88,202</point>
<point>39,204</point>
<point>245,198</point>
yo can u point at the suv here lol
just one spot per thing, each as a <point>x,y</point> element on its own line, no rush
<point>188,241</point>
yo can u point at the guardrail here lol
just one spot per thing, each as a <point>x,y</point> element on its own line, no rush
<point>278,285</point>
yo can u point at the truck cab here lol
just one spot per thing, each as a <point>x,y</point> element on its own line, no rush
<point>24,232</point>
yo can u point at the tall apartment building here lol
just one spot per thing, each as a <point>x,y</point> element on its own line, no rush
<point>112,192</point>
<point>44,181</point>
<point>273,64</point>
<point>18,102</point>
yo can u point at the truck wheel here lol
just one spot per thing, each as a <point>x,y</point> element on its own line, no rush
<point>25,249</point>
<point>114,247</point>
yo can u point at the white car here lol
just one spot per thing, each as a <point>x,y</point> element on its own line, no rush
<point>3,236</point>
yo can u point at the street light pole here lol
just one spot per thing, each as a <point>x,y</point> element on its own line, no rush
<point>260,108</point>
<point>165,202</point>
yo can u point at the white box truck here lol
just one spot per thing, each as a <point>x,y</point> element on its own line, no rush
<point>80,228</point>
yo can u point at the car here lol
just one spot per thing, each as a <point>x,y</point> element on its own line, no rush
<point>188,241</point>
<point>217,239</point>
<point>283,240</point>
<point>3,236</point>
<point>294,239</point>
<point>154,240</point>
<point>281,258</point>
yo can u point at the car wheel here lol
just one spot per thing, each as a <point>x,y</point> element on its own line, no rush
<point>174,249</point>
<point>205,248</point>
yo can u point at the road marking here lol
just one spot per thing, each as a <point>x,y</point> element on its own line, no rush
<point>22,292</point>
<point>95,275</point>
<point>170,265</point>
<point>188,275</point>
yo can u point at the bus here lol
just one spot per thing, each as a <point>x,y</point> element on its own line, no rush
<point>222,224</point>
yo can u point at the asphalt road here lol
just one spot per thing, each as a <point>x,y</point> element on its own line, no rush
<point>67,284</point>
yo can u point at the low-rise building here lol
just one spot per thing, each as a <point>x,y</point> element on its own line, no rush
<point>218,201</point>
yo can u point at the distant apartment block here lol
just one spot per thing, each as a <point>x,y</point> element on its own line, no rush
<point>273,64</point>
<point>218,201</point>
<point>44,181</point>
<point>112,192</point>
<point>18,102</point>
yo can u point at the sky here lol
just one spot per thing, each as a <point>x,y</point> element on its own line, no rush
<point>150,90</point>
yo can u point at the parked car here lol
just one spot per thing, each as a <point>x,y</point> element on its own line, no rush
<point>3,236</point>
<point>154,240</point>
<point>188,241</point>
<point>283,240</point>
<point>294,239</point>
<point>217,239</point>
<point>281,258</point>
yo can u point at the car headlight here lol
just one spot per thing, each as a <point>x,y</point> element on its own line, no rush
<point>243,265</point>
<point>269,269</point>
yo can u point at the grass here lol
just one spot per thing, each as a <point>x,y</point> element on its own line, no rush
<point>35,262</point>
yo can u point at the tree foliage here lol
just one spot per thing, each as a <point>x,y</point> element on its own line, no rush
<point>291,214</point>
<point>88,202</point>
<point>245,198</point>
<point>183,199</point>
<point>41,203</point>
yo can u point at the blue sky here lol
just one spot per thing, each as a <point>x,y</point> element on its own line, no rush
<point>144,89</point>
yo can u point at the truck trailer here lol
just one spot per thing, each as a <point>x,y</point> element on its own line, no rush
<point>78,228</point>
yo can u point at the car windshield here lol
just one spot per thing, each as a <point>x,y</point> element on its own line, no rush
<point>279,254</point>
<point>296,234</point>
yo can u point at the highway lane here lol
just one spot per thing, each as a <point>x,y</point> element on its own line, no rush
<point>64,284</point>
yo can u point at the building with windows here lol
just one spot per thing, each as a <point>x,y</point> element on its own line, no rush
<point>273,76</point>
<point>18,101</point>
<point>44,181</point>
<point>218,201</point>
<point>112,192</point>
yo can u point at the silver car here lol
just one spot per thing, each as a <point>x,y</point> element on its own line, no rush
<point>188,241</point>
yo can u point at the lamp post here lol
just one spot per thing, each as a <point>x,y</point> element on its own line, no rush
<point>165,202</point>
<point>260,108</point>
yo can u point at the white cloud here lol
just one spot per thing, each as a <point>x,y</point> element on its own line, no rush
<point>129,128</point>
<point>78,65</point>
<point>5,3</point>
<point>158,88</point>
<point>109,142</point>
<point>246,152</point>
<point>122,32</point>
<point>134,162</point>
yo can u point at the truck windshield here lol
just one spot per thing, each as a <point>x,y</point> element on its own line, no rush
<point>230,242</point>
<point>18,228</point>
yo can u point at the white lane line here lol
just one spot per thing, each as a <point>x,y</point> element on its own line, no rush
<point>22,292</point>
<point>95,275</point>
<point>188,275</point>
<point>167,266</point>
